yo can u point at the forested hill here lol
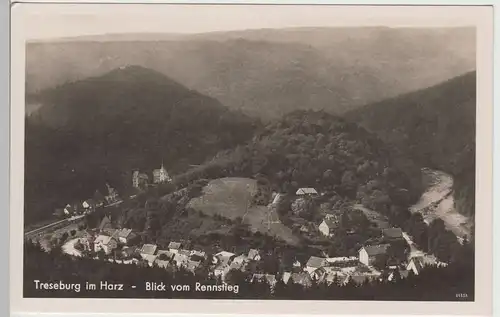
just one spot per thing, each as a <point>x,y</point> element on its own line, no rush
<point>316,149</point>
<point>268,73</point>
<point>436,127</point>
<point>96,130</point>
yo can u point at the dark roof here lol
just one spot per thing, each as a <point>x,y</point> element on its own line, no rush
<point>123,233</point>
<point>393,233</point>
<point>315,261</point>
<point>174,245</point>
<point>373,250</point>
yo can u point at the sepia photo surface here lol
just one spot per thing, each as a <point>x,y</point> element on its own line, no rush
<point>273,155</point>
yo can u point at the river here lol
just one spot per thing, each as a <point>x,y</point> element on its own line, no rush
<point>438,202</point>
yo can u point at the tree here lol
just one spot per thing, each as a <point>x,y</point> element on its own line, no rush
<point>64,236</point>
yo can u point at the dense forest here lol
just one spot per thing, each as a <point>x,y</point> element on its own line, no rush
<point>97,130</point>
<point>320,150</point>
<point>436,127</point>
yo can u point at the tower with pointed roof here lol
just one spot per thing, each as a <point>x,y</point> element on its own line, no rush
<point>160,175</point>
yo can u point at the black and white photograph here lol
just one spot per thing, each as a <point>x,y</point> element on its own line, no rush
<point>238,153</point>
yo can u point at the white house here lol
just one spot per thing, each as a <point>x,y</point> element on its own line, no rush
<point>105,243</point>
<point>254,254</point>
<point>306,192</point>
<point>125,235</point>
<point>68,210</point>
<point>417,263</point>
<point>369,254</point>
<point>148,249</point>
<point>174,247</point>
<point>328,226</point>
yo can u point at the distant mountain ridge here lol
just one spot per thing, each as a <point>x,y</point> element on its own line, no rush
<point>268,73</point>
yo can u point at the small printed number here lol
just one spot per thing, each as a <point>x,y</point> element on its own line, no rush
<point>461,295</point>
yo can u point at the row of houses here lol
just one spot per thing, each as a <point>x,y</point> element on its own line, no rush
<point>91,204</point>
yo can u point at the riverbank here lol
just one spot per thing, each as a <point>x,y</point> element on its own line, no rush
<point>438,202</point>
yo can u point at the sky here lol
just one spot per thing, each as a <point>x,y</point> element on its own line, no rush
<point>46,21</point>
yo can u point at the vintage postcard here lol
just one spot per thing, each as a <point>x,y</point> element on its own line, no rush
<point>251,159</point>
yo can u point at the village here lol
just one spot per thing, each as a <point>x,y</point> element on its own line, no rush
<point>123,245</point>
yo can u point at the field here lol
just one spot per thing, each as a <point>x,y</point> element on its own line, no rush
<point>230,197</point>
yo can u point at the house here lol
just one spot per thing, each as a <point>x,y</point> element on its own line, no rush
<point>224,255</point>
<point>301,278</point>
<point>402,273</point>
<point>328,226</point>
<point>192,266</point>
<point>128,252</point>
<point>150,258</point>
<point>328,275</point>
<point>112,196</point>
<point>369,254</point>
<point>304,229</point>
<point>105,243</point>
<point>198,254</point>
<point>148,249</point>
<point>306,192</point>
<point>181,259</point>
<point>297,264</point>
<point>286,277</point>
<point>185,253</point>
<point>222,260</point>
<point>240,259</point>
<point>160,175</point>
<point>68,210</point>
<point>125,235</point>
<point>174,246</point>
<point>270,279</point>
<point>162,263</point>
<point>417,263</point>
<point>254,255</point>
<point>89,204</point>
<point>315,263</point>
<point>392,234</point>
<point>343,261</point>
<point>165,255</point>
<point>139,180</point>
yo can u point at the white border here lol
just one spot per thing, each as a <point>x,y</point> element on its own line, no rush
<point>482,306</point>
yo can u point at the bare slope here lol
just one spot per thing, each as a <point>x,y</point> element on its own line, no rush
<point>230,198</point>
